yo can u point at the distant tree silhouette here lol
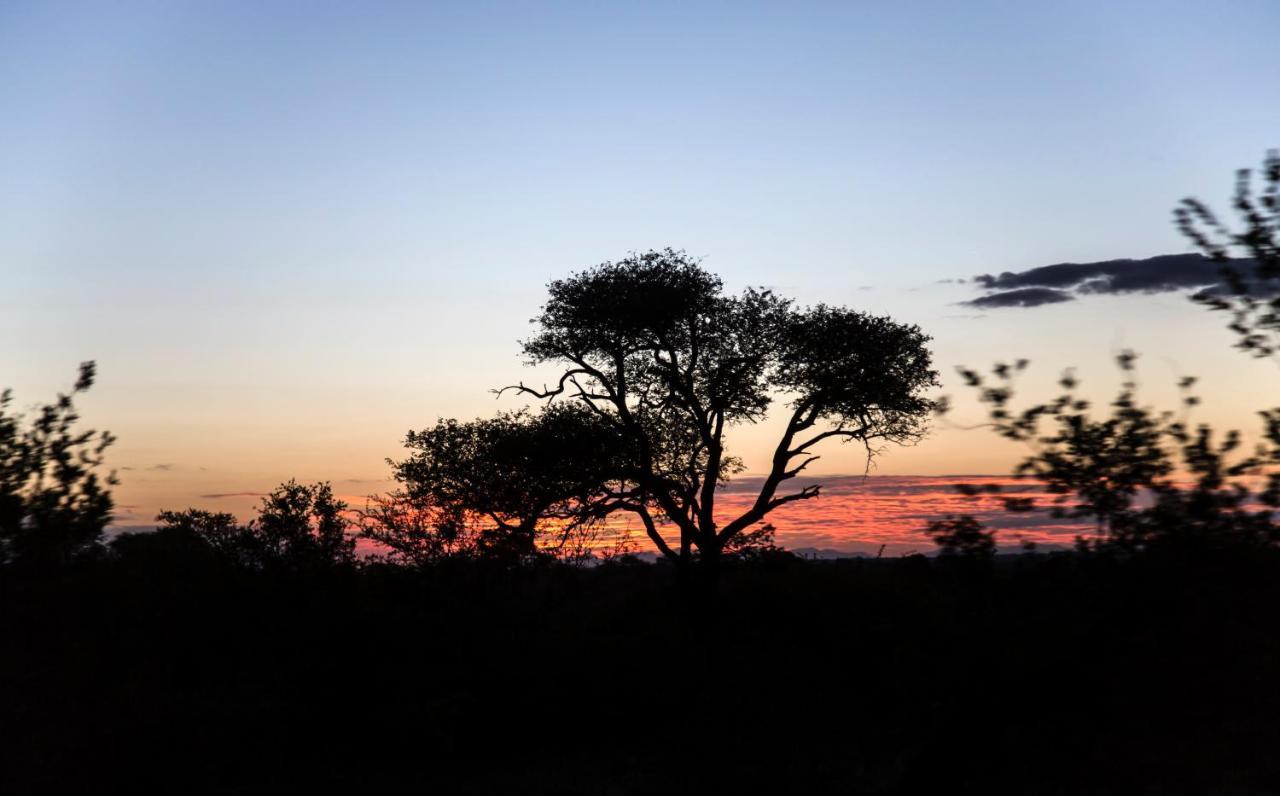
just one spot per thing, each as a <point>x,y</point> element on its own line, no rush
<point>1253,299</point>
<point>218,530</point>
<point>53,503</point>
<point>498,483</point>
<point>962,537</point>
<point>653,348</point>
<point>304,524</point>
<point>298,527</point>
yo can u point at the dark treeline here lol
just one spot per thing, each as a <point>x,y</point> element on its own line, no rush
<point>483,649</point>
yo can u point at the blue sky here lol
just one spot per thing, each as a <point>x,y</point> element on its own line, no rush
<point>290,231</point>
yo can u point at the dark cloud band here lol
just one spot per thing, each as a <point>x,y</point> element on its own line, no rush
<point>1054,284</point>
<point>1022,297</point>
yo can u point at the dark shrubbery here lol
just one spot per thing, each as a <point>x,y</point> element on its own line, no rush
<point>54,505</point>
<point>167,668</point>
<point>298,527</point>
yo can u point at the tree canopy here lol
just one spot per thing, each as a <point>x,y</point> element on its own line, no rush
<point>657,352</point>
<point>499,481</point>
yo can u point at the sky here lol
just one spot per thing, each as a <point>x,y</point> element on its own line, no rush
<point>290,232</point>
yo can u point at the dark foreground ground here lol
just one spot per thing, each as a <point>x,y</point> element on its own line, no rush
<point>1049,675</point>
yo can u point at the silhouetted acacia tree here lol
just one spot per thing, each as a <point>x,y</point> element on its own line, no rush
<point>653,348</point>
<point>53,503</point>
<point>490,487</point>
<point>1252,299</point>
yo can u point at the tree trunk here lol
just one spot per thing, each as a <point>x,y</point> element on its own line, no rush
<point>707,578</point>
<point>698,579</point>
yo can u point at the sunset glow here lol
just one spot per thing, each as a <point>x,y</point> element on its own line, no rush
<point>283,264</point>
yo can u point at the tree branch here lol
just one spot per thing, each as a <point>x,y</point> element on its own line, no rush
<point>652,530</point>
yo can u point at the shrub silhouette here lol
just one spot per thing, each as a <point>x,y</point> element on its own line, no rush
<point>1147,478</point>
<point>1253,299</point>
<point>298,527</point>
<point>53,503</point>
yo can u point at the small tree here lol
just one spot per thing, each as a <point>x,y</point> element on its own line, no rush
<point>653,348</point>
<point>501,483</point>
<point>304,525</point>
<point>53,502</point>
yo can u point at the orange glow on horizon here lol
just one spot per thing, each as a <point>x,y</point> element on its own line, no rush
<point>857,514</point>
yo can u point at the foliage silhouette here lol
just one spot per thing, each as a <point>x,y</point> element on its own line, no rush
<point>219,531</point>
<point>1253,300</point>
<point>492,487</point>
<point>415,531</point>
<point>53,503</point>
<point>653,348</point>
<point>299,527</point>
<point>1145,477</point>
<point>757,544</point>
<point>304,525</point>
<point>1150,478</point>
